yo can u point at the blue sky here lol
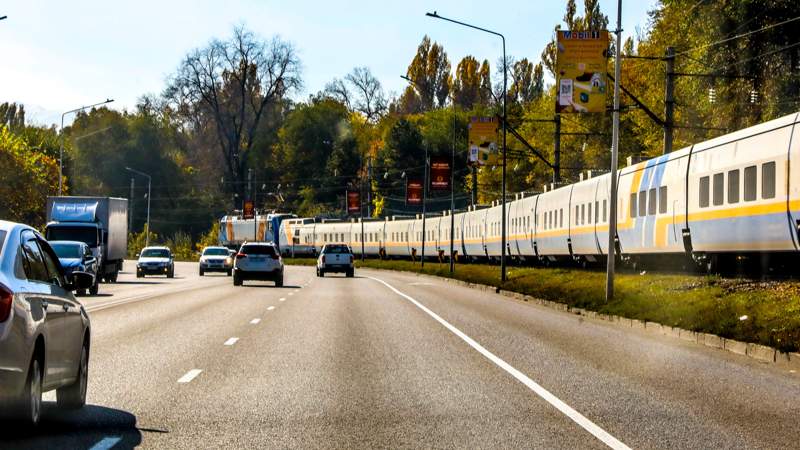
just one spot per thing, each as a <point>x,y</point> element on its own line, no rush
<point>60,55</point>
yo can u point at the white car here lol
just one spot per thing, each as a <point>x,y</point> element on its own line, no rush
<point>216,259</point>
<point>258,261</point>
<point>155,261</point>
<point>336,258</point>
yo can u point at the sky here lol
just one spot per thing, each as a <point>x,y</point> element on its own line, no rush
<point>60,55</point>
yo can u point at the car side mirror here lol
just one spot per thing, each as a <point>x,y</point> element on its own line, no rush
<point>90,260</point>
<point>80,280</point>
<point>137,255</point>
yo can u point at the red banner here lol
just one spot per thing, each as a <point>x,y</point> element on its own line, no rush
<point>248,210</point>
<point>440,173</point>
<point>413,192</point>
<point>353,202</point>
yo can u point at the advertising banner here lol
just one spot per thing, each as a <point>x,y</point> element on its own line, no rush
<point>353,202</point>
<point>581,64</point>
<point>440,173</point>
<point>483,141</point>
<point>414,192</point>
<point>248,210</point>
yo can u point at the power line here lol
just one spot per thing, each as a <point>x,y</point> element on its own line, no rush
<point>722,41</point>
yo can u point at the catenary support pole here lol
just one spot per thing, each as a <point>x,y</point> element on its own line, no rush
<point>612,213</point>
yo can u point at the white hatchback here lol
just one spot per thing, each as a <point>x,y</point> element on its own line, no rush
<point>258,261</point>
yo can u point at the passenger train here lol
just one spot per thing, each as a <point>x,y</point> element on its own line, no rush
<point>734,197</point>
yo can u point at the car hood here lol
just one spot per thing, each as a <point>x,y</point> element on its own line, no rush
<point>153,260</point>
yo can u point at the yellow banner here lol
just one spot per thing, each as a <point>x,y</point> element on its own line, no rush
<point>483,141</point>
<point>581,71</point>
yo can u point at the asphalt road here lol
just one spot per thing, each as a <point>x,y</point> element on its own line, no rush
<point>396,360</point>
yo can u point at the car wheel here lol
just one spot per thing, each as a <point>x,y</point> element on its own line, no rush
<point>30,403</point>
<point>74,395</point>
<point>201,272</point>
<point>237,280</point>
<point>139,274</point>
<point>80,292</point>
<point>171,273</point>
<point>350,273</point>
<point>230,272</point>
<point>279,281</point>
<point>113,277</point>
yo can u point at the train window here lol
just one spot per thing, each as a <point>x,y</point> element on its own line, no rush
<point>605,215</point>
<point>750,183</point>
<point>768,180</point>
<point>662,200</point>
<point>704,192</point>
<point>583,214</point>
<point>651,202</point>
<point>633,205</point>
<point>577,215</point>
<point>596,211</point>
<point>719,189</point>
<point>589,213</point>
<point>733,186</point>
<point>561,217</point>
<point>642,203</point>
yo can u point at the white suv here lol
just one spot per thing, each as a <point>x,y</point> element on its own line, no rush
<point>258,261</point>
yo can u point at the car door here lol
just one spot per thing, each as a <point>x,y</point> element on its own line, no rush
<point>38,290</point>
<point>70,327</point>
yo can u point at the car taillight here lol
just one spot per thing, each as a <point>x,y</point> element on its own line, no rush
<point>6,301</point>
<point>240,256</point>
<point>323,259</point>
<point>351,259</point>
<point>276,256</point>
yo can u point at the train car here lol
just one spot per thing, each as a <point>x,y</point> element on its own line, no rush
<point>552,225</point>
<point>521,226</point>
<point>296,237</point>
<point>474,224</point>
<point>739,187</point>
<point>373,237</point>
<point>584,209</point>
<point>233,230</point>
<point>397,238</point>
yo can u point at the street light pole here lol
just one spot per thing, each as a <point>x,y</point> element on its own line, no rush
<point>146,236</point>
<point>435,15</point>
<point>424,204</point>
<point>61,149</point>
<point>612,223</point>
<point>452,189</point>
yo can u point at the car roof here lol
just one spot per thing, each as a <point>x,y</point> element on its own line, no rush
<point>271,244</point>
<point>66,242</point>
<point>10,226</point>
<point>155,248</point>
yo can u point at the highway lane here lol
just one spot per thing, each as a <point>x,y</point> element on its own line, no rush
<point>339,362</point>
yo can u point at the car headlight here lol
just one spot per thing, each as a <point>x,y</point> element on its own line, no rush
<point>228,260</point>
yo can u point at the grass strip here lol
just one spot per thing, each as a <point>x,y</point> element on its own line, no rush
<point>763,312</point>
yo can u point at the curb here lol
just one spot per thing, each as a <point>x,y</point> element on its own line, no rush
<point>757,352</point>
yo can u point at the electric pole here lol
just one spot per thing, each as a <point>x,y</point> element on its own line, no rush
<point>669,99</point>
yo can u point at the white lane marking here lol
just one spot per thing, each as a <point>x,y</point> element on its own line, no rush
<point>291,293</point>
<point>282,299</point>
<point>106,443</point>
<point>567,410</point>
<point>270,308</point>
<point>420,284</point>
<point>231,341</point>
<point>190,375</point>
<point>255,321</point>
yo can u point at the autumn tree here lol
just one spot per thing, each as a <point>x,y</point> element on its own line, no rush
<point>361,92</point>
<point>430,72</point>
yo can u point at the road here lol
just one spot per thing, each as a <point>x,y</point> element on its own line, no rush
<point>396,360</point>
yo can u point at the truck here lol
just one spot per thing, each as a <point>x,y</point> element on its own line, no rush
<point>100,222</point>
<point>235,230</point>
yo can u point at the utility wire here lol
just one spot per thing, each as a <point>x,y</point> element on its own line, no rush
<point>738,36</point>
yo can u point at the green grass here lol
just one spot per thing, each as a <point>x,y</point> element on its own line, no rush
<point>699,303</point>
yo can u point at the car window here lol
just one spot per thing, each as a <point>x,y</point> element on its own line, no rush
<point>52,264</point>
<point>336,249</point>
<point>72,251</point>
<point>34,263</point>
<point>155,253</point>
<point>215,252</point>
<point>2,240</point>
<point>258,250</point>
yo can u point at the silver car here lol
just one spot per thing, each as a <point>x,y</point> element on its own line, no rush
<point>258,261</point>
<point>216,259</point>
<point>44,331</point>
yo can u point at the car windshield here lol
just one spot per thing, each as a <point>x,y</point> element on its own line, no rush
<point>215,252</point>
<point>336,249</point>
<point>258,250</point>
<point>2,239</point>
<point>87,235</point>
<point>155,253</point>
<point>67,251</point>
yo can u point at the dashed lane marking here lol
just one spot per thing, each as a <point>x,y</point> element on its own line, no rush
<point>231,341</point>
<point>282,299</point>
<point>255,321</point>
<point>567,410</point>
<point>270,308</point>
<point>190,375</point>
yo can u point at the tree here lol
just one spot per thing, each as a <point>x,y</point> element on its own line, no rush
<point>467,83</point>
<point>361,92</point>
<point>12,115</point>
<point>232,84</point>
<point>430,72</point>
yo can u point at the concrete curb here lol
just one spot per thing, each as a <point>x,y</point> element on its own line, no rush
<point>757,352</point>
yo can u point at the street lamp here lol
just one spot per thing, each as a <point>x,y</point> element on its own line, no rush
<point>424,187</point>
<point>435,15</point>
<point>147,236</point>
<point>61,149</point>
<point>4,17</point>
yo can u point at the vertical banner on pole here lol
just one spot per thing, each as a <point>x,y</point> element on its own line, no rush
<point>483,141</point>
<point>414,192</point>
<point>581,71</point>
<point>248,212</point>
<point>440,173</point>
<point>353,202</point>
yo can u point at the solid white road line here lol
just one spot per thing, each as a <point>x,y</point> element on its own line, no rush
<point>255,321</point>
<point>567,410</point>
<point>231,341</point>
<point>270,308</point>
<point>190,375</point>
<point>106,443</point>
